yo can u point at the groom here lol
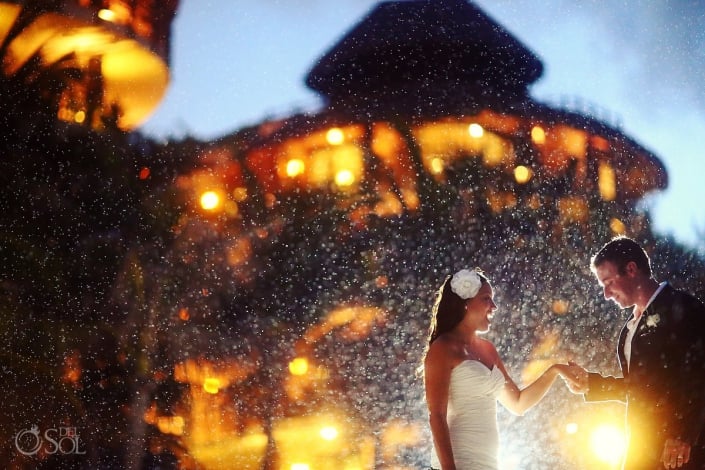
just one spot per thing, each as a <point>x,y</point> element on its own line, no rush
<point>662,355</point>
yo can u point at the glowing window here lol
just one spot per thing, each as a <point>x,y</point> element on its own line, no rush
<point>335,136</point>
<point>607,181</point>
<point>522,174</point>
<point>295,167</point>
<point>538,135</point>
<point>298,366</point>
<point>211,385</point>
<point>618,227</point>
<point>475,130</point>
<point>572,209</point>
<point>210,200</point>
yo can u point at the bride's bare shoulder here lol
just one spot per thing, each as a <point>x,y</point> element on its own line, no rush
<point>487,346</point>
<point>445,348</point>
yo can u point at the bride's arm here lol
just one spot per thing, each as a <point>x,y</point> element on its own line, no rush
<point>518,401</point>
<point>437,369</point>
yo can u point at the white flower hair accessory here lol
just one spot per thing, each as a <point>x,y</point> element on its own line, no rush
<point>466,283</point>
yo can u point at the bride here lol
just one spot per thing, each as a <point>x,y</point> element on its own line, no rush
<point>464,376</point>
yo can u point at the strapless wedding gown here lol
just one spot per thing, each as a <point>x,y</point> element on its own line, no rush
<point>472,416</point>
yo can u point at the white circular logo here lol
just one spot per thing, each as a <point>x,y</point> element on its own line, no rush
<point>28,441</point>
<point>62,440</point>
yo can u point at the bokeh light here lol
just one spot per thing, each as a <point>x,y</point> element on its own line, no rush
<point>210,200</point>
<point>607,442</point>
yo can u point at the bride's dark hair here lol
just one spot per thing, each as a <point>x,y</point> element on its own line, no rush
<point>448,311</point>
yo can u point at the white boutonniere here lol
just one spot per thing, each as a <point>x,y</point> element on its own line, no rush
<point>652,320</point>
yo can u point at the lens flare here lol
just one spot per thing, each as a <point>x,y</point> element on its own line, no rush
<point>607,443</point>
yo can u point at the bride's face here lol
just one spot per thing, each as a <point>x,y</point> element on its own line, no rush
<point>480,309</point>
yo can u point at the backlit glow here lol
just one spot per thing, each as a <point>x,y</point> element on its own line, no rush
<point>607,443</point>
<point>329,433</point>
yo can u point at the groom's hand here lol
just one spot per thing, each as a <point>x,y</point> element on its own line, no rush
<point>676,453</point>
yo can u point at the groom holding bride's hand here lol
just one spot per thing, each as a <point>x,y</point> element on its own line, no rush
<point>662,356</point>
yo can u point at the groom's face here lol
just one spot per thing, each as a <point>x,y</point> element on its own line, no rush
<point>616,287</point>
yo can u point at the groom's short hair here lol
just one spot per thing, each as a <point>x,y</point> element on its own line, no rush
<point>621,251</point>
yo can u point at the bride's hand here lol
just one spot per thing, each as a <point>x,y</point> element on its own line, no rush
<point>575,377</point>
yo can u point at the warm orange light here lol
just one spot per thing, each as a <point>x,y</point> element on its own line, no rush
<point>335,136</point>
<point>560,306</point>
<point>617,227</point>
<point>389,204</point>
<point>399,434</point>
<point>72,367</point>
<point>571,428</point>
<point>410,198</point>
<point>573,141</point>
<point>496,150</point>
<point>184,314</point>
<point>475,130</point>
<point>437,165</point>
<point>328,433</point>
<point>538,135</point>
<point>573,209</point>
<point>239,251</point>
<point>608,443</point>
<point>600,143</point>
<point>522,174</point>
<point>210,200</point>
<point>144,173</point>
<point>344,178</point>
<point>240,194</point>
<point>295,167</point>
<point>298,366</point>
<point>126,94</point>
<point>171,425</point>
<point>300,466</point>
<point>607,181</point>
<point>501,200</point>
<point>381,281</point>
<point>106,15</point>
<point>211,385</point>
<point>79,117</point>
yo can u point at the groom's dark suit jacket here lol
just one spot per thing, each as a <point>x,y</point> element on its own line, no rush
<point>664,385</point>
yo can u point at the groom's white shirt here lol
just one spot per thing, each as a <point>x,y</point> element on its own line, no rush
<point>634,321</point>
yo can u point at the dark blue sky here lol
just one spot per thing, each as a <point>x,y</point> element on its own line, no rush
<point>638,63</point>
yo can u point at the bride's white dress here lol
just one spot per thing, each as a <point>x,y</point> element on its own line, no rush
<point>472,416</point>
